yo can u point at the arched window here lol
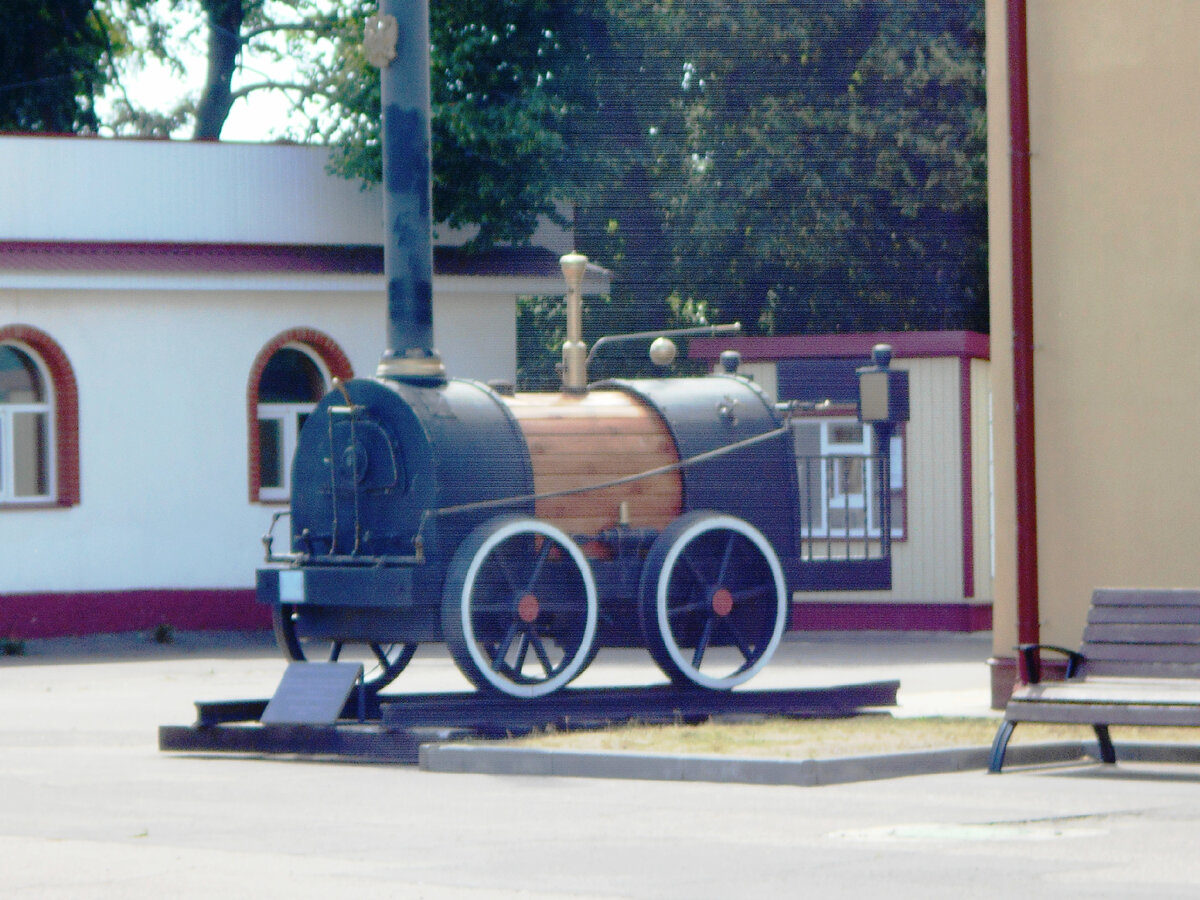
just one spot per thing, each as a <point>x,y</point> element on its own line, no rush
<point>26,454</point>
<point>39,421</point>
<point>290,387</point>
<point>290,375</point>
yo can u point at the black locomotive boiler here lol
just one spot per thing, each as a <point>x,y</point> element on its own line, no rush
<point>527,530</point>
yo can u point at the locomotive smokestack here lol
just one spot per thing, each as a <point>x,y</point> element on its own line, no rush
<point>397,41</point>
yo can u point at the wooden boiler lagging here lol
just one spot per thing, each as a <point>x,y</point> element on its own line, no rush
<point>576,441</point>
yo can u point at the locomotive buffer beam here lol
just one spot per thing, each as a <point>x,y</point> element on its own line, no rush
<point>392,728</point>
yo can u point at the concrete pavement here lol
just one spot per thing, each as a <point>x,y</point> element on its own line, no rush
<point>89,808</point>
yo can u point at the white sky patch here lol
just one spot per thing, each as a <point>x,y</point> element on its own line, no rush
<point>261,116</point>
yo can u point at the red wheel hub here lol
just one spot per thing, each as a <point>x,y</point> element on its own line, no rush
<point>527,608</point>
<point>722,601</point>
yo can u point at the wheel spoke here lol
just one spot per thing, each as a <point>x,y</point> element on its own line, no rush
<point>522,652</point>
<point>702,644</point>
<point>540,649</point>
<point>742,644</point>
<point>725,558</point>
<point>691,567</point>
<point>505,570</point>
<point>683,608</point>
<point>542,556</point>
<point>500,653</point>
<point>381,655</point>
<point>755,592</point>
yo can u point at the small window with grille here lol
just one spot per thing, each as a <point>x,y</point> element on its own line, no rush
<point>839,479</point>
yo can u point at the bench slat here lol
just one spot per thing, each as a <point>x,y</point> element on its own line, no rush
<point>1138,669</point>
<point>1125,633</point>
<point>1145,597</point>
<point>1154,691</point>
<point>1101,713</point>
<point>1149,615</point>
<point>1147,653</point>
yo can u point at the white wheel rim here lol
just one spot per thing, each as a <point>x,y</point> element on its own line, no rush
<point>727,523</point>
<point>483,665</point>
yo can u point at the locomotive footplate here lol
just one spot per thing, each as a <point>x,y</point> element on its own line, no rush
<point>391,728</point>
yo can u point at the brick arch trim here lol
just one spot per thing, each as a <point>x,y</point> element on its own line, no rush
<point>66,407</point>
<point>323,346</point>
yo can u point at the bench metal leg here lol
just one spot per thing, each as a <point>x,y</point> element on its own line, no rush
<point>1000,745</point>
<point>1107,753</point>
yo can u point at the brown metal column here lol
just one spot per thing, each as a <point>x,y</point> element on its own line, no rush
<point>1022,312</point>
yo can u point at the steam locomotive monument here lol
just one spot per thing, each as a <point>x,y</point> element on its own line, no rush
<point>527,529</point>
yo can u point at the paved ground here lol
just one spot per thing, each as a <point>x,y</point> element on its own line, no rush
<point>89,808</point>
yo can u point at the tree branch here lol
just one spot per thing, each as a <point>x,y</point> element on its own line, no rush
<point>311,90</point>
<point>318,27</point>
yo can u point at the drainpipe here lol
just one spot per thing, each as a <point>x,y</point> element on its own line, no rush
<point>1022,322</point>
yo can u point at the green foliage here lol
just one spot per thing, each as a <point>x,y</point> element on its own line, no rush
<point>51,65</point>
<point>799,165</point>
<point>500,75</point>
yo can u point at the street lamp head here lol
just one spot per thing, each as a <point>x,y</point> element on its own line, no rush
<point>574,265</point>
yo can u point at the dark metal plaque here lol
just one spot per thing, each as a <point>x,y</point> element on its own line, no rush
<point>312,693</point>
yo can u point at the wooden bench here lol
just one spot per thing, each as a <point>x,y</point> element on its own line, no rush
<point>1139,664</point>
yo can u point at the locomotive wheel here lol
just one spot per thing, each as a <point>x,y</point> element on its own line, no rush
<point>519,607</point>
<point>389,659</point>
<point>713,600</point>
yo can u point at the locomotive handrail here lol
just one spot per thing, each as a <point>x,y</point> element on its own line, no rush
<point>268,541</point>
<point>710,330</point>
<point>616,482</point>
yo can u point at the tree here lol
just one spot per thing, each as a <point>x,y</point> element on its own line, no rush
<point>51,65</point>
<point>812,164</point>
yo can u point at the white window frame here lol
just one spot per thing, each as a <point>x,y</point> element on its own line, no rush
<point>8,452</point>
<point>832,497</point>
<point>289,416</point>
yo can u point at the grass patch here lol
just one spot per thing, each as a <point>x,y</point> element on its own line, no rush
<point>784,738</point>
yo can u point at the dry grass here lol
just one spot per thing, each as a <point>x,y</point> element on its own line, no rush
<point>823,738</point>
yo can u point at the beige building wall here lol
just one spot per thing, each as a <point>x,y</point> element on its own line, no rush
<point>1116,263</point>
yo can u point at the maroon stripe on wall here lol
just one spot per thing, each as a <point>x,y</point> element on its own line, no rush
<point>30,616</point>
<point>968,499</point>
<point>904,344</point>
<point>891,617</point>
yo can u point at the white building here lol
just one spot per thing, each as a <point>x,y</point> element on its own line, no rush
<point>166,311</point>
